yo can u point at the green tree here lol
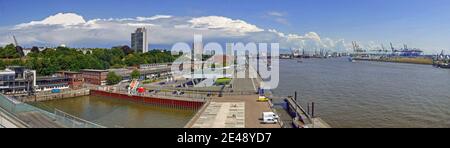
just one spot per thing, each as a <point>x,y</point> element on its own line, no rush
<point>213,65</point>
<point>52,60</point>
<point>135,74</point>
<point>127,50</point>
<point>118,52</point>
<point>35,49</point>
<point>9,51</point>
<point>2,65</point>
<point>134,60</point>
<point>112,78</point>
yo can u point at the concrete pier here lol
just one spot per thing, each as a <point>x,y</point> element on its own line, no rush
<point>220,112</point>
<point>47,96</point>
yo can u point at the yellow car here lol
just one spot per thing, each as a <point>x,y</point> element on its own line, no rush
<point>263,99</point>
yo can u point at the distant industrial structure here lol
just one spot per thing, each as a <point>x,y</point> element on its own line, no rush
<point>441,60</point>
<point>139,42</point>
<point>314,53</point>
<point>382,51</point>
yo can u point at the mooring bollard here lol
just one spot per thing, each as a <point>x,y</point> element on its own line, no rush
<point>308,109</point>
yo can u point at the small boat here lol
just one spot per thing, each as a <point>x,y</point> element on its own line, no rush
<point>444,65</point>
<point>299,61</point>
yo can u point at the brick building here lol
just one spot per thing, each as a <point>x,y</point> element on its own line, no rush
<point>76,79</point>
<point>96,77</point>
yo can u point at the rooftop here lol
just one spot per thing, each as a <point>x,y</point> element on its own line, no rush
<point>7,71</point>
<point>69,72</point>
<point>50,78</point>
<point>93,70</point>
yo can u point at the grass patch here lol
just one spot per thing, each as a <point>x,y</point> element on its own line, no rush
<point>223,81</point>
<point>426,61</point>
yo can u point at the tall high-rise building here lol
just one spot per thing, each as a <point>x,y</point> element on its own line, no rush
<point>139,42</point>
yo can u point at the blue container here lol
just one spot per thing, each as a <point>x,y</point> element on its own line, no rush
<point>56,90</point>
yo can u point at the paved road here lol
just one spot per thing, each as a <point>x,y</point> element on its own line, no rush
<point>244,84</point>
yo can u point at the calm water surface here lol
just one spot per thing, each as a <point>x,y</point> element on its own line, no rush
<point>119,113</point>
<point>370,94</point>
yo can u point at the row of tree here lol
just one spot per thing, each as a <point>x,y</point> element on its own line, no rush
<point>51,60</point>
<point>112,78</point>
<point>9,52</point>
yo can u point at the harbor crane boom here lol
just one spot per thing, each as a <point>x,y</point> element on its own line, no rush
<point>383,48</point>
<point>392,47</point>
<point>15,41</point>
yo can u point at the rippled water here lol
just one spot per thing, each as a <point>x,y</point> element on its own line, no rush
<point>370,94</point>
<point>119,113</point>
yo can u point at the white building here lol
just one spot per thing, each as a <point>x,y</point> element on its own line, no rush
<point>139,42</point>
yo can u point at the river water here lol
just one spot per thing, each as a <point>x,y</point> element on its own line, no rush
<point>370,94</point>
<point>360,94</point>
<point>120,113</point>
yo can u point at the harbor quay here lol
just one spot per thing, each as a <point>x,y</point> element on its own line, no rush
<point>234,105</point>
<point>241,111</point>
<point>222,100</point>
<point>215,64</point>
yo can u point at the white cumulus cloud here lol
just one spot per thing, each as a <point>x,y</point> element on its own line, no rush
<point>73,30</point>
<point>224,24</point>
<point>156,17</point>
<point>65,19</point>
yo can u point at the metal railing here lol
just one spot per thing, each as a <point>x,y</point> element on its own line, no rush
<point>162,93</point>
<point>17,108</point>
<point>8,118</point>
<point>74,122</point>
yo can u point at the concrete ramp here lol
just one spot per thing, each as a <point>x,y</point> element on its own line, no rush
<point>222,115</point>
<point>244,85</point>
<point>38,120</point>
<point>206,83</point>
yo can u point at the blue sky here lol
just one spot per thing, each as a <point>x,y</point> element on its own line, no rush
<point>419,23</point>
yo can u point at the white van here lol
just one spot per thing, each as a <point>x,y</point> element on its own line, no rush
<point>270,118</point>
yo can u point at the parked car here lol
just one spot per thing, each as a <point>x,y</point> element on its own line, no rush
<point>263,99</point>
<point>270,118</point>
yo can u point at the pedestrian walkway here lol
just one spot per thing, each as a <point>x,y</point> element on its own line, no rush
<point>222,115</point>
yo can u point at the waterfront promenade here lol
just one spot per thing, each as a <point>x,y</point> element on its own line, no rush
<point>247,108</point>
<point>242,111</point>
